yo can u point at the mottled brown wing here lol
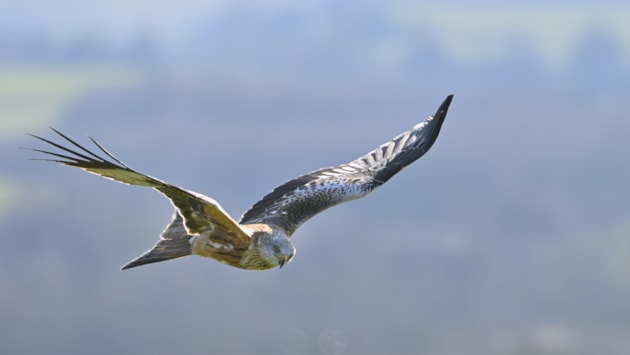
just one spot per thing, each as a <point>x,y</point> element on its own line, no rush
<point>200,213</point>
<point>293,203</point>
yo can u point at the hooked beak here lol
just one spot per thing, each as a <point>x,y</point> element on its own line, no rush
<point>285,260</point>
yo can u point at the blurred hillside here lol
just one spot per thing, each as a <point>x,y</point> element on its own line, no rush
<point>511,236</point>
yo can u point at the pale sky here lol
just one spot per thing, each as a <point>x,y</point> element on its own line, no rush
<point>465,31</point>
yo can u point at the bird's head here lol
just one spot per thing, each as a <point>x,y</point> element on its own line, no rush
<point>275,248</point>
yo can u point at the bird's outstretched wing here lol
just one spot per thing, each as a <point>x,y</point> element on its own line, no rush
<point>200,213</point>
<point>291,204</point>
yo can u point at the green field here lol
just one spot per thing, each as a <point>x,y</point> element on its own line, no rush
<point>34,97</point>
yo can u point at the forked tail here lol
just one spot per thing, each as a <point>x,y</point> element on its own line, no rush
<point>174,243</point>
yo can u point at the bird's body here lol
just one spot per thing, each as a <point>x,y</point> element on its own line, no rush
<point>240,253</point>
<point>261,239</point>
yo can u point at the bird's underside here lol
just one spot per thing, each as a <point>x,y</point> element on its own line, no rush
<point>261,238</point>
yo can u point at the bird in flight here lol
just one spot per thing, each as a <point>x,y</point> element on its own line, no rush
<point>260,240</point>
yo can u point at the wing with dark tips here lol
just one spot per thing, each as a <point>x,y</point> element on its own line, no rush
<point>291,204</point>
<point>200,213</point>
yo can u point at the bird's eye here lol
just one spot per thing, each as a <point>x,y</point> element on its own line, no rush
<point>276,249</point>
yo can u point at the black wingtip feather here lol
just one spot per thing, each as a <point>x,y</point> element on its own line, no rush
<point>59,146</point>
<point>438,119</point>
<point>107,152</point>
<point>75,144</point>
<point>81,157</point>
<point>426,134</point>
<point>447,102</point>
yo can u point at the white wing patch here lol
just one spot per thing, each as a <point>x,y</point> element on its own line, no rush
<point>205,238</point>
<point>327,190</point>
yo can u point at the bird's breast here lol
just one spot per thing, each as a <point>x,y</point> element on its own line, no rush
<point>220,247</point>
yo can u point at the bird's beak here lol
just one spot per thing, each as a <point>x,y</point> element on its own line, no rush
<point>285,260</point>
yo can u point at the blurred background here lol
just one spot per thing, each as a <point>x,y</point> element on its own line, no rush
<point>511,236</point>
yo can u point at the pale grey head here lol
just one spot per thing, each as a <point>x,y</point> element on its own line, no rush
<point>275,248</point>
